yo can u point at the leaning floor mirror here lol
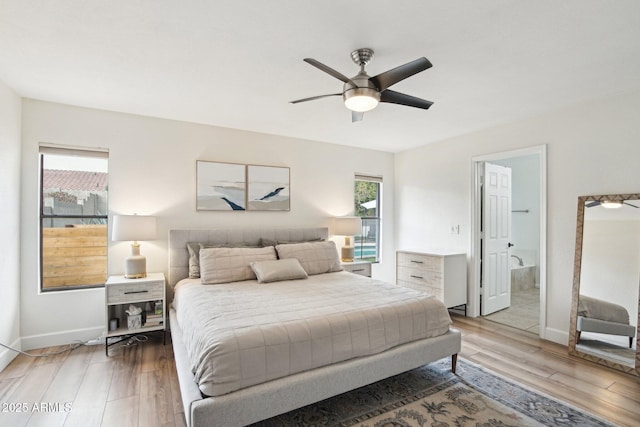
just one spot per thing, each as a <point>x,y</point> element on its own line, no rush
<point>606,281</point>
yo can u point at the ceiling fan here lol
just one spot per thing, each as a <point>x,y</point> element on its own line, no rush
<point>362,93</point>
<point>610,204</point>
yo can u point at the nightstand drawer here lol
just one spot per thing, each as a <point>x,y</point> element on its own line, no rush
<point>135,292</point>
<point>361,268</point>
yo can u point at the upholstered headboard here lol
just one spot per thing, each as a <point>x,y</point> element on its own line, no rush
<point>179,255</point>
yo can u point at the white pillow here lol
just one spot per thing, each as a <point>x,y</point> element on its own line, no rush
<point>315,257</point>
<point>275,271</point>
<point>225,265</point>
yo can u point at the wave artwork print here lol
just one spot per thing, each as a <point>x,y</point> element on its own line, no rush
<point>220,186</point>
<point>268,188</point>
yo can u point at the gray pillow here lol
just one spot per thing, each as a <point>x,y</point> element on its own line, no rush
<point>315,257</point>
<point>194,254</point>
<point>278,270</point>
<point>226,265</point>
<point>271,242</point>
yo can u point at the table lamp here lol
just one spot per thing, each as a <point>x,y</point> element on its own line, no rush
<point>347,226</point>
<point>134,228</point>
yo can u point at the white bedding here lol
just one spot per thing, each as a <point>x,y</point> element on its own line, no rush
<point>244,333</point>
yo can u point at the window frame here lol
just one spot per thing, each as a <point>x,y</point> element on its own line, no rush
<point>46,149</point>
<point>377,218</point>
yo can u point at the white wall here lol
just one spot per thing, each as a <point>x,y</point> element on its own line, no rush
<point>611,263</point>
<point>593,148</point>
<point>10,109</point>
<point>152,171</point>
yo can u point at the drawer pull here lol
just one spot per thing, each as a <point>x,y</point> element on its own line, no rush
<point>357,269</point>
<point>417,277</point>
<point>417,262</point>
<point>136,292</point>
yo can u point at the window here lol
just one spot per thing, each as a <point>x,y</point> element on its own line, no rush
<point>368,195</point>
<point>73,218</point>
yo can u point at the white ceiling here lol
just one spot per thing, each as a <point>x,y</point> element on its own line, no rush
<point>238,63</point>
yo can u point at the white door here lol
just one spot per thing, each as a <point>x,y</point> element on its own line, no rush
<point>496,239</point>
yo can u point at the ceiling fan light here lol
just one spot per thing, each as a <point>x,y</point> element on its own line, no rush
<point>361,99</point>
<point>610,204</point>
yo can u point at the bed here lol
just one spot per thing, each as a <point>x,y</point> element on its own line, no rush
<point>256,373</point>
<point>604,317</point>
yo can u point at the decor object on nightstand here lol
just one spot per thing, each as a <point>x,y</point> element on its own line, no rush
<point>134,317</point>
<point>347,226</point>
<point>134,228</point>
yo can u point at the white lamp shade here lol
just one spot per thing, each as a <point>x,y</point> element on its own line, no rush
<point>347,226</point>
<point>133,228</point>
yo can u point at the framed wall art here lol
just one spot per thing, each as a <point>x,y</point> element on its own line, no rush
<point>268,188</point>
<point>220,186</point>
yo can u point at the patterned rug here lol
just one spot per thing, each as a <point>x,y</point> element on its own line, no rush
<point>432,396</point>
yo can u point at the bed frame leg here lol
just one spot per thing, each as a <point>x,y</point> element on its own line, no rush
<point>454,362</point>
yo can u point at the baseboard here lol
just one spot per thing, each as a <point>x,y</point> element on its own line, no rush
<point>556,336</point>
<point>61,338</point>
<point>6,355</point>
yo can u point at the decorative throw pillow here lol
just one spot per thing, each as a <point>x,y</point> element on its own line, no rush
<point>278,270</point>
<point>225,265</point>
<point>315,257</point>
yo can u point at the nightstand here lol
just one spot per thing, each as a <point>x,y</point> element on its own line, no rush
<point>147,293</point>
<point>363,268</point>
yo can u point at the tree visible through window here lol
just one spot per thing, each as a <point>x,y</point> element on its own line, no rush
<point>73,218</point>
<point>367,206</point>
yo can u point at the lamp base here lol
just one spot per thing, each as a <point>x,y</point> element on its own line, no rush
<point>347,253</point>
<point>135,267</point>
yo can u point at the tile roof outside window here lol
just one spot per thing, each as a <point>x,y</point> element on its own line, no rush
<point>75,180</point>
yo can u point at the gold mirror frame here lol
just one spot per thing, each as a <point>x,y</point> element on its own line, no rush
<point>577,265</point>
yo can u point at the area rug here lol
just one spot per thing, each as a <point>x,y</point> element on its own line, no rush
<point>432,396</point>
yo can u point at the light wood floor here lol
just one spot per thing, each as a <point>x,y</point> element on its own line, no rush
<point>137,386</point>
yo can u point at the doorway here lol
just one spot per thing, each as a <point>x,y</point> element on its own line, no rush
<point>528,256</point>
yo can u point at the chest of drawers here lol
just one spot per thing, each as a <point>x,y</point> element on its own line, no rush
<point>443,275</point>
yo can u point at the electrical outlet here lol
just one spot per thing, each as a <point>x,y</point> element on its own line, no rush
<point>455,229</point>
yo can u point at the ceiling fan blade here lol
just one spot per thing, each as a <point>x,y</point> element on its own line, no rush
<point>592,204</point>
<point>633,206</point>
<point>395,75</point>
<point>356,116</point>
<point>393,97</point>
<point>338,75</point>
<point>312,98</point>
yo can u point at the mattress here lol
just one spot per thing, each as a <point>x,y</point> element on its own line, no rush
<point>244,333</point>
